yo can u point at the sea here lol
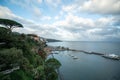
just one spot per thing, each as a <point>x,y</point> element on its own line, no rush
<point>88,66</point>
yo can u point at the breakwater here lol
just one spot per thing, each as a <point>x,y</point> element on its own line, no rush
<point>107,56</point>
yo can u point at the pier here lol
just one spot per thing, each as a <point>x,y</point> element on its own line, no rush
<point>61,48</point>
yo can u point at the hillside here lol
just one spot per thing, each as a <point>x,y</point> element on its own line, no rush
<point>53,40</point>
<point>23,56</point>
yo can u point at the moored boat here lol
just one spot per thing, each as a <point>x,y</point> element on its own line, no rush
<point>111,56</point>
<point>75,57</point>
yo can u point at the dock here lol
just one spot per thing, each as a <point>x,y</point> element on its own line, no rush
<point>59,48</point>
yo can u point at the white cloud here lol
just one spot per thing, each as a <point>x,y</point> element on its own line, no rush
<point>7,13</point>
<point>86,28</point>
<point>60,15</point>
<point>108,7</point>
<point>43,30</point>
<point>67,35</point>
<point>46,18</point>
<point>71,28</point>
<point>37,11</point>
<point>104,22</point>
<point>39,1</point>
<point>102,6</point>
<point>69,8</point>
<point>53,3</point>
<point>56,17</point>
<point>4,11</point>
<point>72,21</point>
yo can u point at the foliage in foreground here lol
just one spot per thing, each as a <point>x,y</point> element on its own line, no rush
<point>20,50</point>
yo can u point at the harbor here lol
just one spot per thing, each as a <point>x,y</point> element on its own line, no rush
<point>104,55</point>
<point>88,60</point>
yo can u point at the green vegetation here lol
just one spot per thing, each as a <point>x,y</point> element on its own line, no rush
<point>22,57</point>
<point>53,40</point>
<point>10,24</point>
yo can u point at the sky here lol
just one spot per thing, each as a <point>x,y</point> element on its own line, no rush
<point>69,20</point>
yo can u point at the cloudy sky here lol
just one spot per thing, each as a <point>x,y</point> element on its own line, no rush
<point>76,20</point>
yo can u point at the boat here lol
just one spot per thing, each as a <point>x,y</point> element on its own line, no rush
<point>72,56</point>
<point>111,56</point>
<point>75,57</point>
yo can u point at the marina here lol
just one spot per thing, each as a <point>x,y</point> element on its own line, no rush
<point>107,56</point>
<point>102,68</point>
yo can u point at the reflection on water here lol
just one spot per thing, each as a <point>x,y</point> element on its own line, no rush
<point>88,67</point>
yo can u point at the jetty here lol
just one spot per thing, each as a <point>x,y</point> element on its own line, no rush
<point>97,53</point>
<point>107,56</point>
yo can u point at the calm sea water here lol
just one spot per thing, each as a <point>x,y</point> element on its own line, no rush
<point>89,67</point>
